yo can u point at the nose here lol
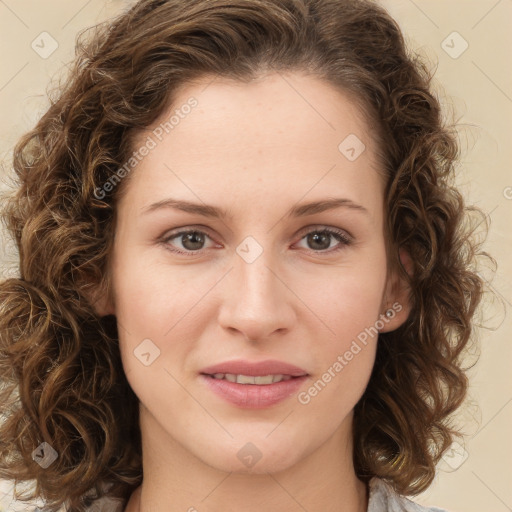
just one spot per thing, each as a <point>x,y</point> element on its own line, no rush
<point>256,300</point>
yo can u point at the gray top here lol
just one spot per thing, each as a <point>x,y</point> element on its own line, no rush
<point>384,499</point>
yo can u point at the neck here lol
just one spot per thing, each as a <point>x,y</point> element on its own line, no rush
<point>176,480</point>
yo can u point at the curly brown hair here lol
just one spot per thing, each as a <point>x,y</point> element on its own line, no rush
<point>61,377</point>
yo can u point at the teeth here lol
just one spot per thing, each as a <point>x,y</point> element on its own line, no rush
<point>247,379</point>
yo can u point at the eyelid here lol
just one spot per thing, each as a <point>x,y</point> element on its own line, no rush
<point>301,233</point>
<point>325,227</point>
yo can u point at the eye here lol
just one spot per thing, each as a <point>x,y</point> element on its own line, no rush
<point>191,241</point>
<point>319,240</point>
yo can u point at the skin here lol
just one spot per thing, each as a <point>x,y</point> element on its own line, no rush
<point>256,150</point>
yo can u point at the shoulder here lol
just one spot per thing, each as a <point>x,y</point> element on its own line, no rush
<point>383,498</point>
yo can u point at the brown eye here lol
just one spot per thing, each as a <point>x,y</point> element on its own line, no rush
<point>191,241</point>
<point>319,240</point>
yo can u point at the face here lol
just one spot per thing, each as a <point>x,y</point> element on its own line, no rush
<point>266,279</point>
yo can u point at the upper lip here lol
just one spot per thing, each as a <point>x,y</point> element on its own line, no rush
<point>254,369</point>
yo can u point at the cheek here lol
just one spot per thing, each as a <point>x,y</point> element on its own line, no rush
<point>140,303</point>
<point>146,309</point>
<point>147,312</point>
<point>148,294</point>
<point>348,304</point>
<point>347,301</point>
<point>346,350</point>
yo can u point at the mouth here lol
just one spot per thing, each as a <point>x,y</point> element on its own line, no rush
<point>255,380</point>
<point>254,384</point>
<point>253,391</point>
<point>254,372</point>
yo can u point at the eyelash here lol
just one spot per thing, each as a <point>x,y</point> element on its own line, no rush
<point>341,236</point>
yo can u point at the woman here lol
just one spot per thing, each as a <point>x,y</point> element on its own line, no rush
<point>245,279</point>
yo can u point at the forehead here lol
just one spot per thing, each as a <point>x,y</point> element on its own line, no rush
<point>280,134</point>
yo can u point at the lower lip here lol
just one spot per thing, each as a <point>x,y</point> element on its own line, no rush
<point>253,396</point>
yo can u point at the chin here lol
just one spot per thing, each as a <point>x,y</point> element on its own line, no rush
<point>256,458</point>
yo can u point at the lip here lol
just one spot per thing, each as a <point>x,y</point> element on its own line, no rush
<point>255,368</point>
<point>252,396</point>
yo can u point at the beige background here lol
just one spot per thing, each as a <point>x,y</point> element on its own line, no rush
<point>478,83</point>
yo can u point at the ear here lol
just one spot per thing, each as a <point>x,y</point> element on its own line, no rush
<point>396,304</point>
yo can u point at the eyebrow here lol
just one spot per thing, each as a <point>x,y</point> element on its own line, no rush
<point>301,210</point>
